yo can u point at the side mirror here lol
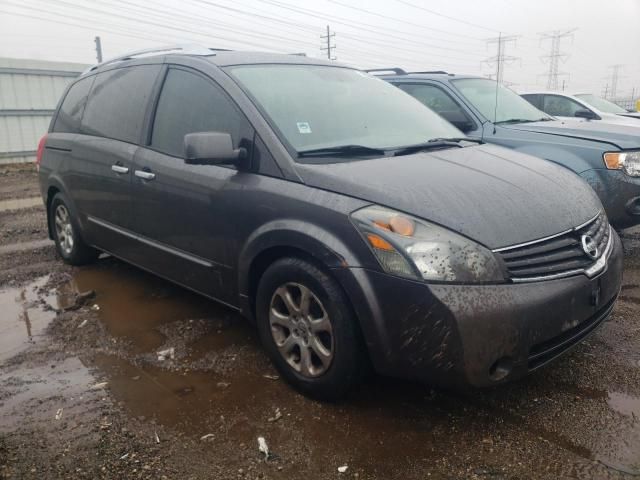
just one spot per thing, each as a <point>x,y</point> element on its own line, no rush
<point>588,114</point>
<point>211,148</point>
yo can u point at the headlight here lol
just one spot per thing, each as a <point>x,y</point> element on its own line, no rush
<point>413,248</point>
<point>627,161</point>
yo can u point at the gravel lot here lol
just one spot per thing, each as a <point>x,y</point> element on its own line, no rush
<point>84,393</point>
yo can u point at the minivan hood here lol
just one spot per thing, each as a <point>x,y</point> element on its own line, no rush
<point>495,196</point>
<point>621,136</point>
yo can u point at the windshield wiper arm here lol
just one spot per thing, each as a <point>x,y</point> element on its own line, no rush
<point>340,150</point>
<point>435,143</point>
<point>517,120</point>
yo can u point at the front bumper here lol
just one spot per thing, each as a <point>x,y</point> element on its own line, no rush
<point>479,335</point>
<point>619,194</point>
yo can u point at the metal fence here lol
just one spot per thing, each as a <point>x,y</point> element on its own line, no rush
<point>29,92</point>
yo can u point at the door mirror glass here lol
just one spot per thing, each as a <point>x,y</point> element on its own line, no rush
<point>588,114</point>
<point>211,148</point>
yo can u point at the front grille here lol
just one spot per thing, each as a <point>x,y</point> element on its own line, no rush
<point>546,351</point>
<point>557,256</point>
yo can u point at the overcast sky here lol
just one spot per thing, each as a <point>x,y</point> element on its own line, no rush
<point>413,34</point>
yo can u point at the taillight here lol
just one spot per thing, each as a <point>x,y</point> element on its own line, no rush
<point>40,151</point>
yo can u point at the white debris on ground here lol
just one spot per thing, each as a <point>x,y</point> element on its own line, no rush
<point>276,417</point>
<point>343,469</point>
<point>262,446</point>
<point>99,386</point>
<point>207,436</point>
<point>59,413</point>
<point>168,353</point>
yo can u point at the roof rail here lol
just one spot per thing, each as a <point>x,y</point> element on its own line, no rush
<point>191,49</point>
<point>434,71</point>
<point>395,70</point>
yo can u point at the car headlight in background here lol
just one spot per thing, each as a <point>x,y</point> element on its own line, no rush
<point>629,162</point>
<point>413,248</point>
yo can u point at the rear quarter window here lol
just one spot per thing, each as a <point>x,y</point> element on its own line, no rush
<point>70,112</point>
<point>118,102</point>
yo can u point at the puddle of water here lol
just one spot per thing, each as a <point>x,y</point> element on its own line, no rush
<point>134,305</point>
<point>22,246</point>
<point>20,203</point>
<point>625,404</point>
<point>23,317</point>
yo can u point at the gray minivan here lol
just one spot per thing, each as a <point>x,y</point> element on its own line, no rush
<point>352,224</point>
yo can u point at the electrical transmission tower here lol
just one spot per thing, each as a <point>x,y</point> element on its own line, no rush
<point>555,55</point>
<point>501,58</point>
<point>615,76</point>
<point>328,46</point>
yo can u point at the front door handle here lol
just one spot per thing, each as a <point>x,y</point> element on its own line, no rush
<point>145,175</point>
<point>119,168</point>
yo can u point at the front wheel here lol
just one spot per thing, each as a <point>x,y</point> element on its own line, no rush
<point>66,234</point>
<point>307,326</point>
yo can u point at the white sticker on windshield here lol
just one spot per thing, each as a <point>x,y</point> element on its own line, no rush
<point>304,127</point>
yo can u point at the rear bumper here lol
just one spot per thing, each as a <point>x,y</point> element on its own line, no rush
<point>619,193</point>
<point>479,335</point>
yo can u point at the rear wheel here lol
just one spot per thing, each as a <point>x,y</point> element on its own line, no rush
<point>66,234</point>
<point>308,329</point>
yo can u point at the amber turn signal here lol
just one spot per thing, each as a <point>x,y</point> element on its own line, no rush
<point>379,242</point>
<point>612,160</point>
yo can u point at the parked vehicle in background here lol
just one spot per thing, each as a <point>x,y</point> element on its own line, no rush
<point>353,224</point>
<point>606,156</point>
<point>581,106</point>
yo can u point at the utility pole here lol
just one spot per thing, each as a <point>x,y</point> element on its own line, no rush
<point>563,80</point>
<point>555,55</point>
<point>500,59</point>
<point>615,76</point>
<point>98,49</point>
<point>328,47</point>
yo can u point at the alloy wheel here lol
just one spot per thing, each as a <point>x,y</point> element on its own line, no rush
<point>301,329</point>
<point>64,229</point>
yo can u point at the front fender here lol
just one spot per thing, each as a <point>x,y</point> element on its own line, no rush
<point>322,245</point>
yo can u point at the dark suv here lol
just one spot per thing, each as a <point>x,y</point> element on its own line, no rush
<point>606,156</point>
<point>353,225</point>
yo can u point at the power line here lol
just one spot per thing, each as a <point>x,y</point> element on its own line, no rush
<point>555,55</point>
<point>501,58</point>
<point>329,46</point>
<point>446,16</point>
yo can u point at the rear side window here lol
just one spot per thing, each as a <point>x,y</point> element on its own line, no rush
<point>118,101</point>
<point>190,103</point>
<point>70,113</point>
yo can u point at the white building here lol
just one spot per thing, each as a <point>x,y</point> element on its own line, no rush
<point>29,93</point>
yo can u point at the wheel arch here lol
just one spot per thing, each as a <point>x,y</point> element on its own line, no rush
<point>287,238</point>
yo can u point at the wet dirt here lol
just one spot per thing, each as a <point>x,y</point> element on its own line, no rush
<point>91,354</point>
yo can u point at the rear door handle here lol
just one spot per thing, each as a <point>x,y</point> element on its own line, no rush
<point>119,168</point>
<point>145,175</point>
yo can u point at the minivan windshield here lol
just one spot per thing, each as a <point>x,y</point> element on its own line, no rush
<point>511,108</point>
<point>324,107</point>
<point>600,103</point>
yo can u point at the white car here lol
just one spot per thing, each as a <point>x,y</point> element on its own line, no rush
<point>581,105</point>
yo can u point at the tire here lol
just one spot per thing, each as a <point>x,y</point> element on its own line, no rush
<point>66,233</point>
<point>298,343</point>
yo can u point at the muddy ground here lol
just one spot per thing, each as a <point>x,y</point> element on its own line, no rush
<point>84,393</point>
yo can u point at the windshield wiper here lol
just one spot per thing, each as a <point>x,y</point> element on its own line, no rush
<point>341,150</point>
<point>434,144</point>
<point>518,120</point>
